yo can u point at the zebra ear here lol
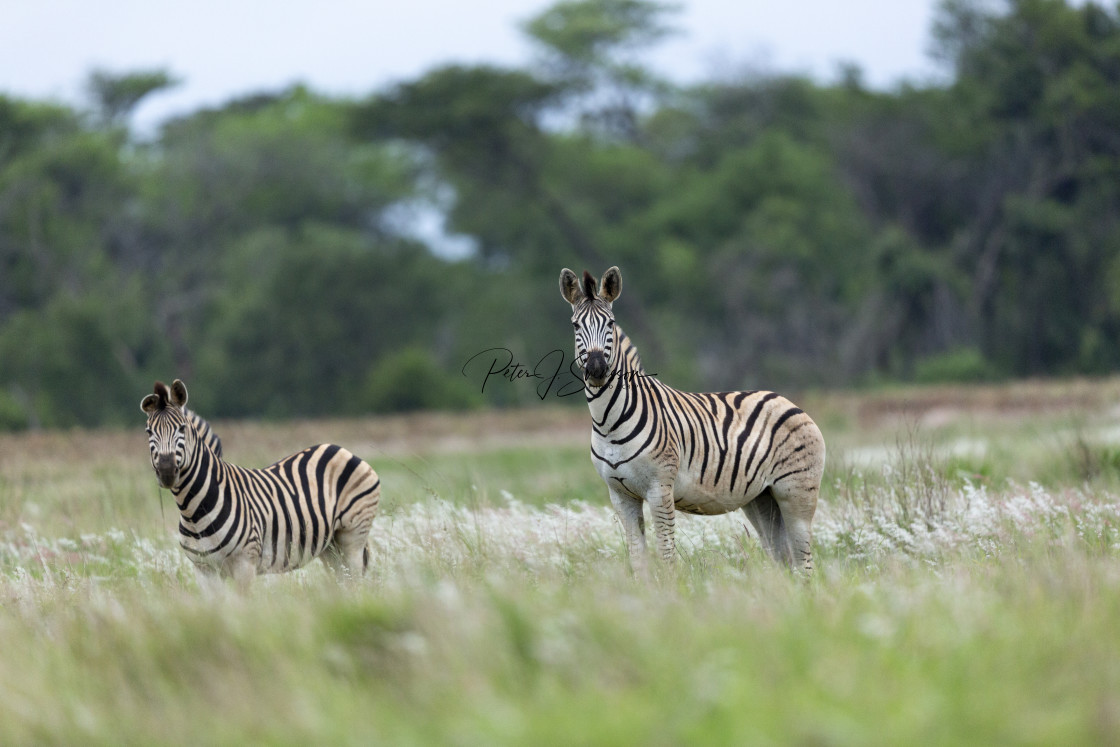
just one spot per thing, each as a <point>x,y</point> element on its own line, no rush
<point>611,286</point>
<point>569,286</point>
<point>178,393</point>
<point>150,403</point>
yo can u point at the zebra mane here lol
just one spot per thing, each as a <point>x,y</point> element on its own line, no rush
<point>628,352</point>
<point>158,400</point>
<point>164,396</point>
<point>589,286</point>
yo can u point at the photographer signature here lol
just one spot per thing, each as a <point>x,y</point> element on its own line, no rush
<point>500,362</point>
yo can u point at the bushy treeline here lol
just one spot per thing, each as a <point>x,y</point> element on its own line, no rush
<point>772,231</point>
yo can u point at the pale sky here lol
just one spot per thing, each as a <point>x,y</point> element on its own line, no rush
<point>222,49</point>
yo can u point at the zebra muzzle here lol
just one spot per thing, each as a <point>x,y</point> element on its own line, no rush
<point>595,369</point>
<point>165,471</point>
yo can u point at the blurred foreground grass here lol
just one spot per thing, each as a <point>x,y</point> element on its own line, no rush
<point>968,591</point>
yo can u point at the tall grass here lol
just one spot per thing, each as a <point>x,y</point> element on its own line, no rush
<point>467,635</point>
<point>949,606</point>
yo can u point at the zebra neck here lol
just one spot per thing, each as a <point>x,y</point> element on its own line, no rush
<point>199,489</point>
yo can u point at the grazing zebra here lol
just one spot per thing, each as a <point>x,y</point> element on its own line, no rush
<point>707,453</point>
<point>239,522</point>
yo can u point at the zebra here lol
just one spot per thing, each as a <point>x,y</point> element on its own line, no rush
<point>701,453</point>
<point>239,522</point>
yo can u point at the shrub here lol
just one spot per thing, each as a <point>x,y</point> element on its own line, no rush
<point>411,379</point>
<point>13,417</point>
<point>959,366</point>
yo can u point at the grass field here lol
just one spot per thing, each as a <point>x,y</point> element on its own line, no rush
<point>968,591</point>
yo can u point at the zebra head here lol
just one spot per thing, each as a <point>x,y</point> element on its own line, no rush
<point>169,435</point>
<point>593,319</point>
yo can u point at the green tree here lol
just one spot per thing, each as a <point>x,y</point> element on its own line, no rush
<point>311,312</point>
<point>272,163</point>
<point>1041,85</point>
<point>116,96</point>
<point>590,50</point>
<point>82,358</point>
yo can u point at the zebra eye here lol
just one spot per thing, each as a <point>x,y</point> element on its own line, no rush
<point>575,324</point>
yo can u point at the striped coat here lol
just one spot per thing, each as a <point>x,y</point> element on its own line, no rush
<point>701,453</point>
<point>239,522</point>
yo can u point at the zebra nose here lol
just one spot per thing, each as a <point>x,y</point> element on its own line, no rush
<point>165,470</point>
<point>596,366</point>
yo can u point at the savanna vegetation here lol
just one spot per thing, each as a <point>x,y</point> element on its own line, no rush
<point>967,590</point>
<point>773,231</point>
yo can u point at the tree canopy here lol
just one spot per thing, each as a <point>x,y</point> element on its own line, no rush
<point>774,231</point>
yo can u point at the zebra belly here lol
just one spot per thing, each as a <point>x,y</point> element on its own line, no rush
<point>641,478</point>
<point>290,550</point>
<point>695,497</point>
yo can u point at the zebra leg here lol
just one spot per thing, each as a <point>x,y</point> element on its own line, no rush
<point>352,525</point>
<point>766,518</point>
<point>660,499</point>
<point>630,513</point>
<point>209,579</point>
<point>244,570</point>
<point>798,505</point>
<point>332,558</point>
<point>347,555</point>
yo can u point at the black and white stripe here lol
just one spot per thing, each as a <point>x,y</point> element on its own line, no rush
<point>239,522</point>
<point>701,453</point>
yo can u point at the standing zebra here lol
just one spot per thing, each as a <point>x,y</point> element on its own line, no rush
<point>239,522</point>
<point>704,453</point>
